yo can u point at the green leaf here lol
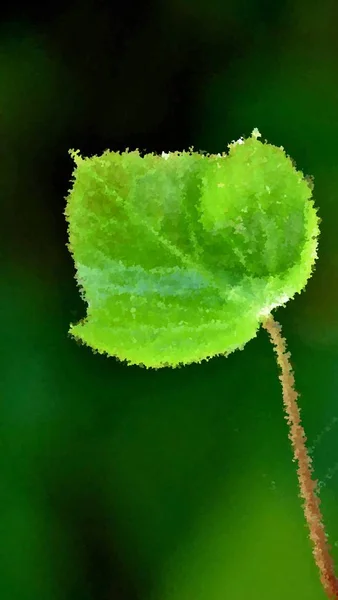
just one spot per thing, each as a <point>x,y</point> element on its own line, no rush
<point>181,256</point>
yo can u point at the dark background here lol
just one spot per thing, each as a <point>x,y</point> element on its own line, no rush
<point>118,482</point>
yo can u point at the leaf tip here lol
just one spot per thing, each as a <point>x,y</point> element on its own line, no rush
<point>255,133</point>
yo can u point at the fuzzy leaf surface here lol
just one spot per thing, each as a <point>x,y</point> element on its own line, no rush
<point>180,257</point>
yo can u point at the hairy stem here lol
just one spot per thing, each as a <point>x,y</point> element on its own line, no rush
<point>307,485</point>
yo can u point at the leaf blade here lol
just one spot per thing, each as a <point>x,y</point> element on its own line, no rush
<point>165,253</point>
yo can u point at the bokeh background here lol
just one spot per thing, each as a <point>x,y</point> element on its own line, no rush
<point>123,483</point>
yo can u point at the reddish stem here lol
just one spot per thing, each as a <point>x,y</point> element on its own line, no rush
<point>307,485</point>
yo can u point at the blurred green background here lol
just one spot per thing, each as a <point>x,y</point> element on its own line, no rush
<point>123,483</point>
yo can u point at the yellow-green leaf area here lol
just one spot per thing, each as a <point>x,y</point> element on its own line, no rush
<point>180,256</point>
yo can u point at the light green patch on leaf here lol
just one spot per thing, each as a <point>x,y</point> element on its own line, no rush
<point>181,256</point>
